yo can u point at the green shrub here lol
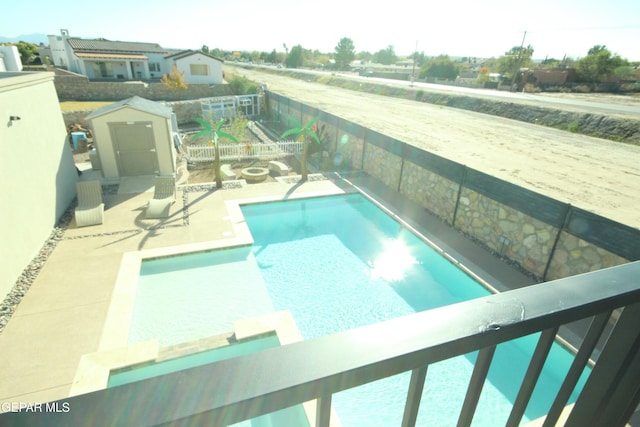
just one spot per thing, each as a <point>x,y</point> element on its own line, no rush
<point>241,85</point>
<point>573,127</point>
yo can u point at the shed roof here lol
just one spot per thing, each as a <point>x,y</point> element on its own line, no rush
<point>137,103</point>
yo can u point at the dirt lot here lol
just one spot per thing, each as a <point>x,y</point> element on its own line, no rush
<point>595,174</point>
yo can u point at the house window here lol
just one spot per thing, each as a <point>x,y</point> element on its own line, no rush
<point>199,69</point>
<point>102,69</point>
<point>154,66</point>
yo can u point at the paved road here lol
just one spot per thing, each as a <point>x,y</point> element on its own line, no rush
<point>618,105</point>
<point>595,174</point>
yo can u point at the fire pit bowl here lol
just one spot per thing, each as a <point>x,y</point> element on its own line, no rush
<point>255,174</point>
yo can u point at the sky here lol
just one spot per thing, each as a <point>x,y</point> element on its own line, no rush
<point>467,28</point>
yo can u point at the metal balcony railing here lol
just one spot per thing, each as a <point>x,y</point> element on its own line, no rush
<point>242,388</point>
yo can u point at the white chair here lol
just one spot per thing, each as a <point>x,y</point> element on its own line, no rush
<point>164,195</point>
<point>90,209</point>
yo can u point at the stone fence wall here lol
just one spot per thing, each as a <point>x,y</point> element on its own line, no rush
<point>546,237</point>
<point>185,112</point>
<point>185,102</point>
<point>80,88</point>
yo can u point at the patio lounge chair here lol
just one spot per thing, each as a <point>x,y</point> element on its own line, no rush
<point>90,209</point>
<point>164,195</point>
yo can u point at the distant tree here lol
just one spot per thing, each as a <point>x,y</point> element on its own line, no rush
<point>217,53</point>
<point>345,53</point>
<point>598,65</point>
<point>625,72</point>
<point>280,58</point>
<point>517,57</point>
<point>175,79</point>
<point>295,58</point>
<point>253,56</point>
<point>322,60</point>
<point>491,64</point>
<point>364,56</point>
<point>204,49</point>
<point>483,75</point>
<point>28,52</point>
<point>441,67</point>
<point>551,63</point>
<point>271,58</point>
<point>386,56</point>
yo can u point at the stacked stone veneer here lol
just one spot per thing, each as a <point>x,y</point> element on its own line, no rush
<point>80,88</point>
<point>351,148</point>
<point>574,256</point>
<point>185,112</point>
<point>382,165</point>
<point>434,192</point>
<point>510,233</point>
<point>544,249</point>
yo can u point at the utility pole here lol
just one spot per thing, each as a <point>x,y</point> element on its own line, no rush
<point>517,70</point>
<point>415,59</point>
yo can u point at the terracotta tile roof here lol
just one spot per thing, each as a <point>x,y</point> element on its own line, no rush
<point>102,45</point>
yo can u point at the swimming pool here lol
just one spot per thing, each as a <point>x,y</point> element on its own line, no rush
<point>294,415</point>
<point>341,262</point>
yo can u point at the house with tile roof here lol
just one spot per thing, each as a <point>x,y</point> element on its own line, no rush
<point>101,59</point>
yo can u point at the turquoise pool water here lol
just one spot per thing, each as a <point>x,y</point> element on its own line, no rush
<point>153,369</point>
<point>338,263</point>
<point>341,262</point>
<point>293,416</point>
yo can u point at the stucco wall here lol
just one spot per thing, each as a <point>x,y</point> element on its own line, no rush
<point>214,69</point>
<point>36,170</point>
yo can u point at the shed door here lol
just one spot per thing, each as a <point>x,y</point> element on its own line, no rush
<point>135,148</point>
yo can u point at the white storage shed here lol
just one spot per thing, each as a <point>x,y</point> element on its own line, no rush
<point>134,137</point>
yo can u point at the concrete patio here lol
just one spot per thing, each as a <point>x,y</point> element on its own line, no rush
<point>62,316</point>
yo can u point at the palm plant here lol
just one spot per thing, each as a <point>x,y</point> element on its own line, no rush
<point>305,134</point>
<point>215,132</point>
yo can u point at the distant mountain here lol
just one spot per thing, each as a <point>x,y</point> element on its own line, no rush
<point>29,38</point>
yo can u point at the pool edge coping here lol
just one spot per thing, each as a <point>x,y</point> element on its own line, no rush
<point>94,369</point>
